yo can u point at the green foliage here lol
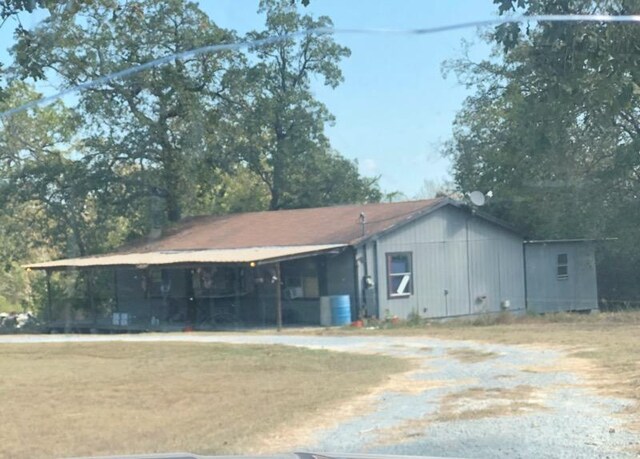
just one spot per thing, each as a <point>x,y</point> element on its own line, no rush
<point>282,136</point>
<point>553,129</point>
<point>217,133</point>
<point>414,319</point>
<point>162,121</point>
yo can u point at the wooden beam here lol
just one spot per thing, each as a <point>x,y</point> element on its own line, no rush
<point>278,298</point>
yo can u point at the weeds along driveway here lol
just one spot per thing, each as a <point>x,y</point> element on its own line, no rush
<point>462,399</point>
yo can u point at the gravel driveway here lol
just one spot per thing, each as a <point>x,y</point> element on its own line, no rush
<point>463,400</point>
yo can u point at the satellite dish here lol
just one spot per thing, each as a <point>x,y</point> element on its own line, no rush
<point>477,198</point>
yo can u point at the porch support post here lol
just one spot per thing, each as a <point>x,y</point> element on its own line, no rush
<point>49,304</point>
<point>278,298</point>
<point>90,285</point>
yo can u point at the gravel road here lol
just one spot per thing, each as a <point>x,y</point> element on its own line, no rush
<point>463,400</point>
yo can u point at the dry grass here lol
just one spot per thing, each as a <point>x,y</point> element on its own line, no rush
<point>471,403</point>
<point>468,355</point>
<point>406,431</point>
<point>601,346</point>
<point>478,403</point>
<point>113,398</point>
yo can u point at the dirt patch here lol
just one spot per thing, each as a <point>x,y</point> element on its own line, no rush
<point>411,385</point>
<point>404,432</point>
<point>468,355</point>
<point>471,403</point>
<point>479,402</point>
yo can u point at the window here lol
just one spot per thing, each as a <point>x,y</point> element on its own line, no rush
<point>301,279</point>
<point>563,266</point>
<point>399,282</point>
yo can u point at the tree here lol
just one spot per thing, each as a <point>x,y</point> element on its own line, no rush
<point>174,137</point>
<point>162,121</point>
<point>324,178</point>
<point>216,133</point>
<point>434,188</point>
<point>281,138</point>
<point>51,198</point>
<point>12,8</point>
<point>553,128</point>
<point>64,198</point>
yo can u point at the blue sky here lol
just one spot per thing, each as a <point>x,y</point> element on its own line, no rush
<point>394,110</point>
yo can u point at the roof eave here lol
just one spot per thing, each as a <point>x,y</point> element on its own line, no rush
<point>249,255</point>
<point>567,241</point>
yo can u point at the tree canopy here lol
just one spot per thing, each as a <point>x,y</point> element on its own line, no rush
<point>553,128</point>
<point>218,132</point>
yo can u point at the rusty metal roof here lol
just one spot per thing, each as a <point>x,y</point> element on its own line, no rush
<point>321,225</point>
<point>246,255</point>
<point>260,236</point>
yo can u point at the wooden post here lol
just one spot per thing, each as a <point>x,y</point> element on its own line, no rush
<point>236,296</point>
<point>90,287</point>
<point>49,305</point>
<point>278,298</point>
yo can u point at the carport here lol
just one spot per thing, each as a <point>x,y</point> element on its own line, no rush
<point>201,289</point>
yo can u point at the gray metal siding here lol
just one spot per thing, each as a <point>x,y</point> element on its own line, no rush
<point>547,293</point>
<point>366,266</point>
<point>457,260</point>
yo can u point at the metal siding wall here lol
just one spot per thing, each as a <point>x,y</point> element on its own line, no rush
<point>370,293</point>
<point>439,246</point>
<point>360,273</point>
<point>497,268</point>
<point>546,293</point>
<point>512,271</point>
<point>485,275</point>
<point>586,280</point>
<point>455,268</point>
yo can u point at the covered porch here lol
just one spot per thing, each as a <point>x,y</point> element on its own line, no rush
<point>200,289</point>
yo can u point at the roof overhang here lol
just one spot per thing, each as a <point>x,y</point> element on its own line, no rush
<point>257,255</point>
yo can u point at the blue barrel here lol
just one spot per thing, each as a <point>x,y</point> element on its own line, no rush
<point>340,309</point>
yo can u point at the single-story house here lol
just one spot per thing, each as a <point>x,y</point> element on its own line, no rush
<point>429,258</point>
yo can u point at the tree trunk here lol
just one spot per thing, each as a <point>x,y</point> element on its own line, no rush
<point>278,168</point>
<point>174,211</point>
<point>172,175</point>
<point>274,203</point>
